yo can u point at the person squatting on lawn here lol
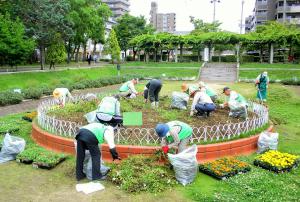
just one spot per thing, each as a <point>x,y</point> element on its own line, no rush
<point>128,89</point>
<point>209,91</point>
<point>60,95</point>
<point>262,83</point>
<point>88,138</point>
<point>174,134</point>
<point>189,89</point>
<point>236,102</point>
<point>152,90</point>
<point>109,112</point>
<point>202,104</point>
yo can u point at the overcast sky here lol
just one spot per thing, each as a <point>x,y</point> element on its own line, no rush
<point>227,11</point>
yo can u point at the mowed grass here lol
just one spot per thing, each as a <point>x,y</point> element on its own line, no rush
<point>27,80</point>
<point>23,183</point>
<point>273,74</point>
<point>267,65</point>
<point>162,64</point>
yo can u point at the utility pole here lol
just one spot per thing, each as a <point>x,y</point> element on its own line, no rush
<point>242,16</point>
<point>214,2</point>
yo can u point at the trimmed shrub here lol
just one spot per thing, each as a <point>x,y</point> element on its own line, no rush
<point>226,58</point>
<point>10,98</point>
<point>33,93</point>
<point>46,90</point>
<point>247,58</point>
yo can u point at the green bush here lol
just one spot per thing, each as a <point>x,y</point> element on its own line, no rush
<point>9,98</point>
<point>295,82</point>
<point>226,58</point>
<point>46,90</point>
<point>33,93</point>
<point>247,58</point>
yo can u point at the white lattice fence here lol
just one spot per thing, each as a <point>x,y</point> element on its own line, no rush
<point>141,136</point>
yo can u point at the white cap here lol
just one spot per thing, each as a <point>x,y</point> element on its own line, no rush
<point>265,73</point>
<point>109,137</point>
<point>201,84</point>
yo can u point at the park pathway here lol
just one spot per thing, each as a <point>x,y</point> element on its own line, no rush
<point>33,104</point>
<point>219,72</point>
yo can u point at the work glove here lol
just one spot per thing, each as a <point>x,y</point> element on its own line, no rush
<point>165,149</point>
<point>114,154</point>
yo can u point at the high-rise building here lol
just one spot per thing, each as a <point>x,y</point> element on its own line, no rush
<point>118,7</point>
<point>266,10</point>
<point>162,22</point>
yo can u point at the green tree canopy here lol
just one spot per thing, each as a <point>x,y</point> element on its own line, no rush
<point>112,47</point>
<point>15,46</point>
<point>56,52</point>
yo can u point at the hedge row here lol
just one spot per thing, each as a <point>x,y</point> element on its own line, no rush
<point>10,97</point>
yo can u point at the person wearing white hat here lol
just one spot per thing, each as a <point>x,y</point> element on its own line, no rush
<point>128,89</point>
<point>209,91</point>
<point>262,84</point>
<point>88,138</point>
<point>60,95</point>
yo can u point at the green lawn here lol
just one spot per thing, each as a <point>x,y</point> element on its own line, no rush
<point>267,65</point>
<point>162,64</point>
<point>273,74</point>
<point>25,80</point>
<point>23,183</point>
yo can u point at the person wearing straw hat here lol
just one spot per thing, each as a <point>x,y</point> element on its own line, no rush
<point>128,90</point>
<point>60,95</point>
<point>209,91</point>
<point>174,134</point>
<point>152,90</point>
<point>88,138</point>
<point>262,83</point>
<point>202,104</point>
<point>109,112</point>
<point>236,103</point>
<point>189,89</point>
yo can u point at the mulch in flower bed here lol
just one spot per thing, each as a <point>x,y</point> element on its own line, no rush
<point>224,168</point>
<point>276,161</point>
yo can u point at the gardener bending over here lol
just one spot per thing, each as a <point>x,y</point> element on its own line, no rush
<point>88,138</point>
<point>189,89</point>
<point>108,111</point>
<point>152,90</point>
<point>209,91</point>
<point>128,89</point>
<point>236,102</point>
<point>202,104</point>
<point>262,82</point>
<point>60,95</point>
<point>174,134</point>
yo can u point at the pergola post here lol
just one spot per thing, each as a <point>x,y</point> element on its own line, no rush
<point>206,54</point>
<point>176,54</point>
<point>271,53</point>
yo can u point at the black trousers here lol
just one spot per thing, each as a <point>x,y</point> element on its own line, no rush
<point>115,121</point>
<point>154,86</point>
<point>86,140</point>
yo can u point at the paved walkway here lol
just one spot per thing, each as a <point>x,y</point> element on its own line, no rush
<point>32,104</point>
<point>219,72</point>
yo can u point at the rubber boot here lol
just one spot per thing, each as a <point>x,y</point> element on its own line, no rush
<point>156,104</point>
<point>153,105</point>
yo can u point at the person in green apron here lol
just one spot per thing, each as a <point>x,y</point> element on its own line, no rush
<point>190,89</point>
<point>174,134</point>
<point>209,91</point>
<point>128,90</point>
<point>236,103</point>
<point>109,112</point>
<point>262,83</point>
<point>88,138</point>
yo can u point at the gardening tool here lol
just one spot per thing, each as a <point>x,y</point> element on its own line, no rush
<point>165,149</point>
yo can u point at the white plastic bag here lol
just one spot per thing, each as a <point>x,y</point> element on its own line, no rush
<point>91,117</point>
<point>179,100</point>
<point>267,140</point>
<point>11,147</point>
<point>185,165</point>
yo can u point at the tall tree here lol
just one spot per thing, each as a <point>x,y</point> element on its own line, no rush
<point>15,46</point>
<point>56,52</point>
<point>129,27</point>
<point>112,47</point>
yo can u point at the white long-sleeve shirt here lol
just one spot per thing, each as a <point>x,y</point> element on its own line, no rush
<point>109,138</point>
<point>132,88</point>
<point>200,97</point>
<point>63,93</point>
<point>233,102</point>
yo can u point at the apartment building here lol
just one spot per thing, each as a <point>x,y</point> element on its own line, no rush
<point>118,7</point>
<point>280,10</point>
<point>162,22</point>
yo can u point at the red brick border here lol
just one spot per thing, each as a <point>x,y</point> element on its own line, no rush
<point>205,152</point>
